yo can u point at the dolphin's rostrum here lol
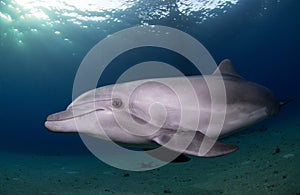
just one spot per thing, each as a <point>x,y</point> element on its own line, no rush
<point>149,113</point>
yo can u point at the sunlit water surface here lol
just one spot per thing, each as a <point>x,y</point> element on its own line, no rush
<point>19,18</point>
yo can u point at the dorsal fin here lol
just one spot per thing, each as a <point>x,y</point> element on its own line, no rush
<point>226,68</point>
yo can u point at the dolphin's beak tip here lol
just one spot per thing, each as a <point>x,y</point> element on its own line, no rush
<point>50,122</point>
<point>48,126</point>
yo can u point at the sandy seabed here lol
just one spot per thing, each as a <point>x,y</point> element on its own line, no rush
<point>267,162</point>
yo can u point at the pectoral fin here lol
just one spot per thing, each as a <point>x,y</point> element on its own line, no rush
<point>193,143</point>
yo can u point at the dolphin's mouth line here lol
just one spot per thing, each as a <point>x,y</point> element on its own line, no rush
<point>69,114</point>
<point>76,110</point>
<point>93,102</point>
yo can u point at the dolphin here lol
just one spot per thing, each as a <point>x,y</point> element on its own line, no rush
<point>148,113</point>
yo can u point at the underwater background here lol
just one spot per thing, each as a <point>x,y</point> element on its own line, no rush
<point>42,44</point>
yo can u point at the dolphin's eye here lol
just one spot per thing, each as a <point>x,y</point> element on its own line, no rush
<point>116,102</point>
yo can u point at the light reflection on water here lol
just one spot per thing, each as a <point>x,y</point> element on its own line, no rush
<point>19,17</point>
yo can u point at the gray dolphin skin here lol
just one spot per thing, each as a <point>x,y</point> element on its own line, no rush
<point>150,113</point>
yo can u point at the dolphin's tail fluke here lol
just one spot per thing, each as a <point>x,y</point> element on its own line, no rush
<point>286,101</point>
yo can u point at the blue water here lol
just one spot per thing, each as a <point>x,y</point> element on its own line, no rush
<point>40,57</point>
